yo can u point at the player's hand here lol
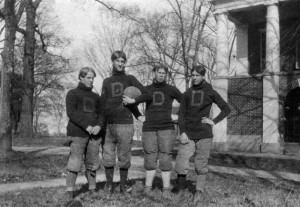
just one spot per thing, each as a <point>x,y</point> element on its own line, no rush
<point>141,118</point>
<point>89,129</point>
<point>96,130</point>
<point>206,120</point>
<point>183,138</point>
<point>127,100</point>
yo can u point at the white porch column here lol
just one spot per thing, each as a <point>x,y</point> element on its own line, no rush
<point>221,85</point>
<point>271,136</point>
<point>222,54</point>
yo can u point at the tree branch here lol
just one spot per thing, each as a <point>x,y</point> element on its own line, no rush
<point>2,16</point>
<point>22,31</point>
<point>44,46</point>
<point>110,8</point>
<point>20,11</point>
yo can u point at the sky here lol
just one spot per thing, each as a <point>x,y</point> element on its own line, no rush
<point>78,16</point>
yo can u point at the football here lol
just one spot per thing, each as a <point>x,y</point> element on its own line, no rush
<point>132,92</point>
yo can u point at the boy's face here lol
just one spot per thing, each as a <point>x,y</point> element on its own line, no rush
<point>88,80</point>
<point>196,78</point>
<point>119,64</point>
<point>160,75</point>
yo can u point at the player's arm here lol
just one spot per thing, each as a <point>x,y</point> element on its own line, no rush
<point>134,110</point>
<point>147,96</point>
<point>96,129</point>
<point>102,104</point>
<point>182,119</point>
<point>224,107</point>
<point>177,95</point>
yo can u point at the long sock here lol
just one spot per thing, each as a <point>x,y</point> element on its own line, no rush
<point>166,177</point>
<point>91,178</point>
<point>71,180</point>
<point>181,181</point>
<point>123,178</point>
<point>123,175</point>
<point>109,173</point>
<point>200,182</point>
<point>150,174</point>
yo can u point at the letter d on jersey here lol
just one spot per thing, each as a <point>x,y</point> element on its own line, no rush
<point>117,89</point>
<point>197,98</point>
<point>158,98</point>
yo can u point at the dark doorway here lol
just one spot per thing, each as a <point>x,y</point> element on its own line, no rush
<point>292,116</point>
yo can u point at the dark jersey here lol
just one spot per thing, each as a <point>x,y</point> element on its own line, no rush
<point>83,108</point>
<point>114,110</point>
<point>159,98</point>
<point>195,104</point>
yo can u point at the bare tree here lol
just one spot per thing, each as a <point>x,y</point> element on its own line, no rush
<point>110,34</point>
<point>42,105</point>
<point>177,38</point>
<point>58,108</point>
<point>43,64</point>
<point>11,24</point>
<point>26,121</point>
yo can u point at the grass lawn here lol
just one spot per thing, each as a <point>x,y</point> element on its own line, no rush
<point>39,141</point>
<point>48,141</point>
<point>223,190</point>
<point>26,167</point>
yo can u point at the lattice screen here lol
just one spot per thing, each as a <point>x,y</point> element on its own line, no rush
<point>245,100</point>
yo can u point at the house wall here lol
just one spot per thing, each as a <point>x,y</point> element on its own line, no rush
<point>255,87</point>
<point>245,120</point>
<point>245,123</point>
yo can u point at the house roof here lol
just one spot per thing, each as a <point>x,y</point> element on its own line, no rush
<point>254,11</point>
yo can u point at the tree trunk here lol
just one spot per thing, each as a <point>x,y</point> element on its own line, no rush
<point>59,126</point>
<point>36,121</point>
<point>26,121</point>
<point>7,69</point>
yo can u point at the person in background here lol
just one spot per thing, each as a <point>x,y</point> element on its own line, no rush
<point>158,129</point>
<point>120,128</point>
<point>196,129</point>
<point>83,108</point>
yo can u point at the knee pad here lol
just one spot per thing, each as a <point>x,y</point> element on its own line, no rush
<point>149,164</point>
<point>165,161</point>
<point>165,165</point>
<point>74,164</point>
<point>149,167</point>
<point>93,164</point>
<point>202,171</point>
